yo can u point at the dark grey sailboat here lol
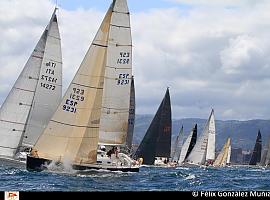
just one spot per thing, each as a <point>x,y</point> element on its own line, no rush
<point>256,154</point>
<point>157,140</point>
<point>131,118</point>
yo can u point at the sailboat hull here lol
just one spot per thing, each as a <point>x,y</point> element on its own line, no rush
<point>40,164</point>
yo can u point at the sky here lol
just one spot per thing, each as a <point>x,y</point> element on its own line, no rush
<point>211,54</point>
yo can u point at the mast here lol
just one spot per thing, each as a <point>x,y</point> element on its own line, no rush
<point>256,154</point>
<point>157,140</point>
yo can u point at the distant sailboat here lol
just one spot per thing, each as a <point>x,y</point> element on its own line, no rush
<point>177,146</point>
<point>188,145</point>
<point>256,154</point>
<point>157,140</point>
<point>34,97</point>
<point>224,156</point>
<point>203,152</point>
<point>95,108</point>
<point>265,160</point>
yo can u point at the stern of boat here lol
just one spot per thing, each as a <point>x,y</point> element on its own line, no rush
<point>36,164</point>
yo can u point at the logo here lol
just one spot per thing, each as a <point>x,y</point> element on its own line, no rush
<point>11,195</point>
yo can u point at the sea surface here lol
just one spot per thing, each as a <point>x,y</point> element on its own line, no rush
<point>14,177</point>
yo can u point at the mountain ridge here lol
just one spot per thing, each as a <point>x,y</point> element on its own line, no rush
<point>242,132</point>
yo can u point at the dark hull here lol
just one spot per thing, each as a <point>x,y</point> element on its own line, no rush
<point>39,164</point>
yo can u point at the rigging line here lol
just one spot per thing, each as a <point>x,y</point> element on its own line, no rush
<point>79,126</point>
<point>98,88</point>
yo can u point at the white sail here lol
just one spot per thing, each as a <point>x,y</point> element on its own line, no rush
<point>15,111</point>
<point>73,132</point>
<point>229,155</point>
<point>118,73</point>
<point>199,152</point>
<point>49,88</point>
<point>210,152</point>
<point>178,145</point>
<point>185,147</point>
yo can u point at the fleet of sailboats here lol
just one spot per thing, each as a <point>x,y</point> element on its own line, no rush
<point>34,97</point>
<point>97,112</point>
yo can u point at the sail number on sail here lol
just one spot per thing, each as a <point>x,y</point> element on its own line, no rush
<point>49,78</point>
<point>72,101</point>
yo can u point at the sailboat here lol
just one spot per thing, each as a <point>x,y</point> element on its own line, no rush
<point>188,145</point>
<point>34,97</point>
<point>224,156</point>
<point>177,146</point>
<point>203,152</point>
<point>95,107</point>
<point>256,154</point>
<point>155,147</point>
<point>265,160</point>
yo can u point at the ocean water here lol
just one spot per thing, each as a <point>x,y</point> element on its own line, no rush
<point>17,178</point>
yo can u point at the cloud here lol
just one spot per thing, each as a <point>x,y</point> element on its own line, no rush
<point>209,56</point>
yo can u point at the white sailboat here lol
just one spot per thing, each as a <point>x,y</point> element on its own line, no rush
<point>203,152</point>
<point>95,108</point>
<point>34,96</point>
<point>224,156</point>
<point>188,145</point>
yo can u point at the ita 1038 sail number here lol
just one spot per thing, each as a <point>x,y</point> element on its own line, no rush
<point>75,96</point>
<point>48,76</point>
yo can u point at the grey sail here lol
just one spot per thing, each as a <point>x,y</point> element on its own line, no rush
<point>266,161</point>
<point>16,110</point>
<point>178,145</point>
<point>157,140</point>
<point>131,117</point>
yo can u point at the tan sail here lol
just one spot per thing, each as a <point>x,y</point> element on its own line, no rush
<point>118,74</point>
<point>73,132</point>
<point>223,156</point>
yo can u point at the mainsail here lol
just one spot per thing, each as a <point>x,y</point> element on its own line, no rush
<point>157,140</point>
<point>204,149</point>
<point>224,156</point>
<point>188,145</point>
<point>178,145</point>
<point>256,154</point>
<point>118,73</point>
<point>35,95</point>
<point>75,126</point>
<point>131,118</point>
<point>265,160</point>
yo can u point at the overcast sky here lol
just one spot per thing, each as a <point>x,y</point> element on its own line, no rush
<point>212,54</point>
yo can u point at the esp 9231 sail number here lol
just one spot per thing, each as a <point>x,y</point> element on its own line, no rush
<point>75,96</point>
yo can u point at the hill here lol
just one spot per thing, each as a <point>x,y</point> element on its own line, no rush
<point>243,133</point>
